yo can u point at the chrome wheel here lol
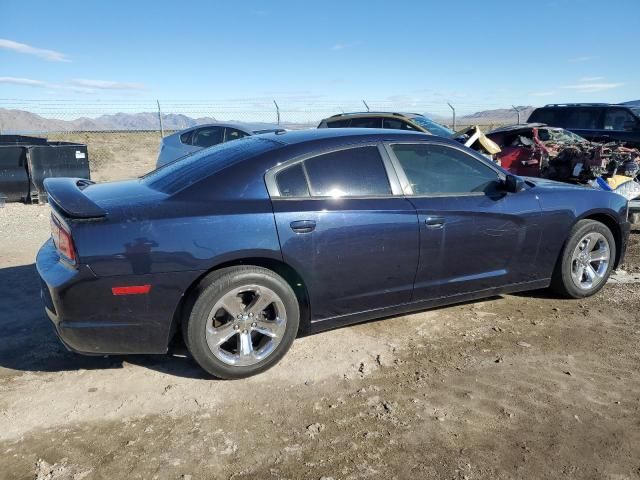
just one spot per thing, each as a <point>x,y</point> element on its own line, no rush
<point>246,325</point>
<point>590,261</point>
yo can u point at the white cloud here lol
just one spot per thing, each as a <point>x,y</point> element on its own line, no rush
<point>77,85</point>
<point>593,87</point>
<point>591,79</point>
<point>29,82</point>
<point>50,55</point>
<point>106,84</point>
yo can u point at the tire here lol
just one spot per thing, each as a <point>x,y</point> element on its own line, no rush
<point>240,338</point>
<point>587,242</point>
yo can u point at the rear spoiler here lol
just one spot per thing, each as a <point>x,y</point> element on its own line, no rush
<point>66,195</point>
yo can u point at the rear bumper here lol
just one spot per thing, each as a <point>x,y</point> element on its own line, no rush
<point>89,319</point>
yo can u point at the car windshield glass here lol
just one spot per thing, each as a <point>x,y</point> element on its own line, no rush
<point>433,127</point>
<point>181,173</point>
<point>561,136</point>
<point>636,111</point>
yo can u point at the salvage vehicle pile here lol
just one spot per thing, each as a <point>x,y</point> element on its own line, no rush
<point>538,150</point>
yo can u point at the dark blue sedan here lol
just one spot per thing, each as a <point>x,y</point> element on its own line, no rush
<point>245,245</point>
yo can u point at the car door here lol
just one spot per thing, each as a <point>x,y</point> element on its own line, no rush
<point>473,234</point>
<point>345,227</point>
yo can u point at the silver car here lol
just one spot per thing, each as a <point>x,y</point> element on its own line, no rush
<point>196,138</point>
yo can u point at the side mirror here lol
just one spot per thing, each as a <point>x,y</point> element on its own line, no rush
<point>513,184</point>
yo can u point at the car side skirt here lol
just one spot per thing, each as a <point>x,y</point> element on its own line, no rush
<point>412,307</point>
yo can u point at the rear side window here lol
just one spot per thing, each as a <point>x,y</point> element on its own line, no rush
<point>185,138</point>
<point>550,116</point>
<point>366,122</point>
<point>292,182</point>
<point>435,169</point>
<point>207,136</point>
<point>352,172</point>
<point>339,123</point>
<point>583,118</point>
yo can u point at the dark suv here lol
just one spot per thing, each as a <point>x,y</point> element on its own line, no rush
<point>598,122</point>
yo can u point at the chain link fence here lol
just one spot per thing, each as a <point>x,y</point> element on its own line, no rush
<point>123,137</point>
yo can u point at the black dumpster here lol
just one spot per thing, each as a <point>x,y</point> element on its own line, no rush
<point>26,161</point>
<point>14,178</point>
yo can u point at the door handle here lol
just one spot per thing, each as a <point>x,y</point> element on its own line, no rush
<point>434,222</point>
<point>303,226</point>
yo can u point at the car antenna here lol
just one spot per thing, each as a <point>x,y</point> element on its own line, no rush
<point>365,104</point>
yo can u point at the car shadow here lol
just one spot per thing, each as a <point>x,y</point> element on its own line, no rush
<point>29,342</point>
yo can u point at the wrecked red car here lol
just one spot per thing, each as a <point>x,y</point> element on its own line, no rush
<point>538,150</point>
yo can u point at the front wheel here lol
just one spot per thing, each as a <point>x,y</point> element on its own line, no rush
<point>586,260</point>
<point>243,321</point>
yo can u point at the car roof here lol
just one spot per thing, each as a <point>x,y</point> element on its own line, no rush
<point>373,114</point>
<point>247,127</point>
<point>361,134</point>
<point>586,105</point>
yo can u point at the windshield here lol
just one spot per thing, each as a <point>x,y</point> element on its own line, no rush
<point>636,111</point>
<point>433,127</point>
<point>185,171</point>
<point>559,135</point>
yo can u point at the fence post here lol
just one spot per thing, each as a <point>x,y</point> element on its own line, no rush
<point>160,119</point>
<point>454,115</point>
<point>517,112</point>
<point>277,111</point>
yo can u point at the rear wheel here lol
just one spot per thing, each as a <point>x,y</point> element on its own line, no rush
<point>243,321</point>
<point>586,261</point>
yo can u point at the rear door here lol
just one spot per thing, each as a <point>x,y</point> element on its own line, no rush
<point>473,235</point>
<point>345,227</point>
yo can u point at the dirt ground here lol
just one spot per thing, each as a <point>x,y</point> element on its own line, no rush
<point>519,386</point>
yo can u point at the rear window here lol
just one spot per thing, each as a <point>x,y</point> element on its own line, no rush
<point>181,173</point>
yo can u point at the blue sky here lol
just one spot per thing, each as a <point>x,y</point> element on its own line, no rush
<point>476,55</point>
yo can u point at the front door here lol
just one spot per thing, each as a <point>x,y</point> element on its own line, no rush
<point>353,242</point>
<point>473,235</point>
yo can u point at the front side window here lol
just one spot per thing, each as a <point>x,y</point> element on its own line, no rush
<point>366,122</point>
<point>207,136</point>
<point>619,119</point>
<point>352,172</point>
<point>397,124</point>
<point>437,170</point>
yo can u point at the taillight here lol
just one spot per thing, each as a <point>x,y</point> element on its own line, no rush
<point>62,240</point>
